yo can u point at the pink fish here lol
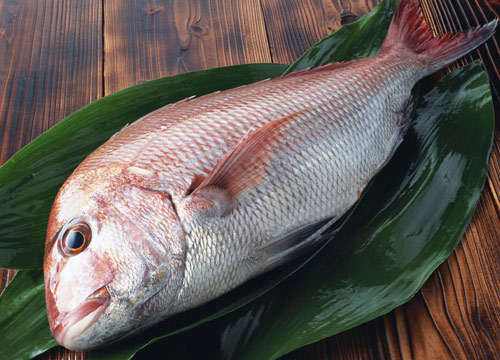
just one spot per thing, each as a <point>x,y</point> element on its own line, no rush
<point>197,197</point>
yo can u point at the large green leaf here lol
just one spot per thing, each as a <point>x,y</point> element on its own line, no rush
<point>368,252</point>
<point>23,323</point>
<point>30,179</point>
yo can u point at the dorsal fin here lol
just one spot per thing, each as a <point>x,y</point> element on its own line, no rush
<point>244,166</point>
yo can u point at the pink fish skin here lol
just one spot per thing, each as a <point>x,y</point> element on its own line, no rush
<point>197,197</point>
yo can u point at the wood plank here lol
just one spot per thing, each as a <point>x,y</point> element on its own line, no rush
<point>494,170</point>
<point>46,72</point>
<point>146,40</point>
<point>50,65</point>
<point>366,342</point>
<point>294,25</point>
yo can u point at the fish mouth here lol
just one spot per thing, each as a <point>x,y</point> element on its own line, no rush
<point>68,326</point>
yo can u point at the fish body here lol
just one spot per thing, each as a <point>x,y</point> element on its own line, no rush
<point>197,197</point>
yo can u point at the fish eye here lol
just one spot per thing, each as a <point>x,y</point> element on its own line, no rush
<point>76,239</point>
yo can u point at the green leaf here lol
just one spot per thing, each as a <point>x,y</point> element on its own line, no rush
<point>30,179</point>
<point>25,331</point>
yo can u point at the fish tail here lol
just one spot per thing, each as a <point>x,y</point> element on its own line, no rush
<point>409,31</point>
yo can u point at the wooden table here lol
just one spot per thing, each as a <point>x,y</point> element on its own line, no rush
<point>58,55</point>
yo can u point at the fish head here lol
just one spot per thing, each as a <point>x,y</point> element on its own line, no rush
<point>113,262</point>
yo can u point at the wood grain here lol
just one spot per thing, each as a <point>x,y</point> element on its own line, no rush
<point>39,64</point>
<point>50,64</point>
<point>56,56</point>
<point>294,25</point>
<point>149,39</point>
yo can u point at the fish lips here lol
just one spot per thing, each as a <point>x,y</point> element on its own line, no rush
<point>67,327</point>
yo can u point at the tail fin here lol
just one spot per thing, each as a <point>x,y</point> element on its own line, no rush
<point>409,31</point>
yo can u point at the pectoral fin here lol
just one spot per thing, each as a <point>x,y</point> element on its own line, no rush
<point>244,166</point>
<point>240,169</point>
<point>305,239</point>
<point>294,244</point>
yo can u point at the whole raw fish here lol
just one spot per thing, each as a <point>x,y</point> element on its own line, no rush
<point>197,197</point>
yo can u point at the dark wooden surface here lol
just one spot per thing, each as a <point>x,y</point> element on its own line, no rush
<point>58,55</point>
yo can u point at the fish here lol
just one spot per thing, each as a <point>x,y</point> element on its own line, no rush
<point>199,196</point>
